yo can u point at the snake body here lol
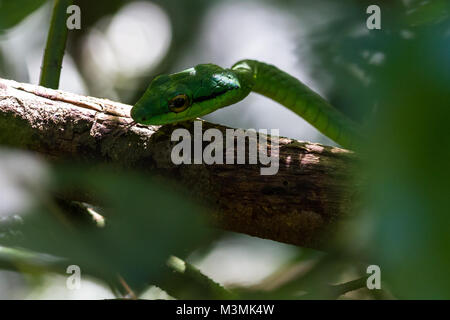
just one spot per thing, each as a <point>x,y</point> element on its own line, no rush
<point>205,88</point>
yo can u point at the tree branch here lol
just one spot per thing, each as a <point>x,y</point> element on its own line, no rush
<point>314,191</point>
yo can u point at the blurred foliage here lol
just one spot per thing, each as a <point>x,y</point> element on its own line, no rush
<point>146,222</point>
<point>14,11</point>
<point>404,95</point>
<point>396,80</point>
<point>409,199</point>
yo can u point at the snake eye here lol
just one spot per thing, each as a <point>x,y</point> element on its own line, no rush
<point>178,103</point>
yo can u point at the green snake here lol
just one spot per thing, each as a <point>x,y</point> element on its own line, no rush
<point>205,88</point>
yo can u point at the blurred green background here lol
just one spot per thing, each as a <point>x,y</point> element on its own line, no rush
<point>395,81</point>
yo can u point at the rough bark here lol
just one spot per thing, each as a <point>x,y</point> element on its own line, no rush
<point>314,192</point>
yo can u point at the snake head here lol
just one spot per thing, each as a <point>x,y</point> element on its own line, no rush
<point>188,94</point>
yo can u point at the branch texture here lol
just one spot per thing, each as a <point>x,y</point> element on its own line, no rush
<point>313,193</point>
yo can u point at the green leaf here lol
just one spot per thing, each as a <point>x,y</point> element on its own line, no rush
<point>146,222</point>
<point>14,11</point>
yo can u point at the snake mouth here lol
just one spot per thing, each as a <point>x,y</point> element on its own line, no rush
<point>137,114</point>
<point>143,117</point>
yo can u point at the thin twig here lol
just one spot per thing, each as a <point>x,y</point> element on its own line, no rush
<point>188,282</point>
<point>345,287</point>
<point>56,44</point>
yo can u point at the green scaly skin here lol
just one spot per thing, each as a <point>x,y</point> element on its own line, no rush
<point>207,87</point>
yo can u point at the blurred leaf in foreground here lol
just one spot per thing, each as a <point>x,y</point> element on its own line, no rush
<point>146,222</point>
<point>14,11</point>
<point>398,78</point>
<point>410,165</point>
